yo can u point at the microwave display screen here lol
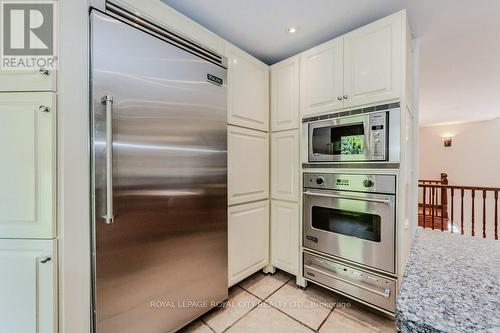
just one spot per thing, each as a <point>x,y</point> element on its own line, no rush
<point>339,140</point>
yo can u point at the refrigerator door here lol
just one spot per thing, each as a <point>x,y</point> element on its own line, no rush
<point>162,261</point>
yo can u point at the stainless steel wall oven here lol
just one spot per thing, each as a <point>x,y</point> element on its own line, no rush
<point>349,228</point>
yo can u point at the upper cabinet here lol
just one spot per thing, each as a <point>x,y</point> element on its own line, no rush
<point>248,90</point>
<point>285,95</point>
<point>27,171</point>
<point>321,78</point>
<point>27,80</point>
<point>372,62</point>
<point>362,67</point>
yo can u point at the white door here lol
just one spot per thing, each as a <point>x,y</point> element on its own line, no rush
<point>285,236</point>
<point>248,90</point>
<point>248,239</point>
<point>24,80</point>
<point>248,165</point>
<point>285,165</point>
<point>28,301</point>
<point>27,171</point>
<point>285,95</point>
<point>321,78</point>
<point>372,62</point>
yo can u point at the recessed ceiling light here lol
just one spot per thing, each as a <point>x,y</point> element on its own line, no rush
<point>291,30</point>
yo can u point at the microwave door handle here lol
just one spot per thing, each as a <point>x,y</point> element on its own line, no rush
<point>384,201</point>
<point>385,295</point>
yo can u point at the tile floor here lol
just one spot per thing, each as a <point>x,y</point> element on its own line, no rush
<point>274,303</point>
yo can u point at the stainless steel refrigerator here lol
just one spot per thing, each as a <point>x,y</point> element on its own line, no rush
<point>159,175</point>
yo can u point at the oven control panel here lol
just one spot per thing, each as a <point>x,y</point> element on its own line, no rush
<point>351,182</point>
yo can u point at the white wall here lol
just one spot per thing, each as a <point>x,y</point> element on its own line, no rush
<point>473,159</point>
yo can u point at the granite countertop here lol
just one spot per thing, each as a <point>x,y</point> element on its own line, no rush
<point>451,284</point>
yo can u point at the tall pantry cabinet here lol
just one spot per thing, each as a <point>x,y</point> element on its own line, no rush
<point>248,164</point>
<point>28,245</point>
<point>285,166</point>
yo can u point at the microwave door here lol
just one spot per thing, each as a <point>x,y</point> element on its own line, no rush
<point>339,140</point>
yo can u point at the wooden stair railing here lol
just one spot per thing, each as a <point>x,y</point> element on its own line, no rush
<point>435,211</point>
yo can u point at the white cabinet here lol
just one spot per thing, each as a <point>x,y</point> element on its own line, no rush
<point>248,90</point>
<point>248,239</point>
<point>27,171</point>
<point>285,224</point>
<point>285,165</point>
<point>372,62</point>
<point>285,95</point>
<point>28,301</point>
<point>24,80</point>
<point>248,165</point>
<point>362,67</point>
<point>321,78</point>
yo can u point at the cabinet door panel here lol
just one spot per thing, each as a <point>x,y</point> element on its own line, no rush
<point>248,90</point>
<point>372,60</point>
<point>27,171</point>
<point>248,239</point>
<point>248,165</point>
<point>23,80</point>
<point>285,95</point>
<point>321,78</point>
<point>28,286</point>
<point>285,165</point>
<point>285,236</point>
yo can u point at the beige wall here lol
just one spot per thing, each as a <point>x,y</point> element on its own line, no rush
<point>473,159</point>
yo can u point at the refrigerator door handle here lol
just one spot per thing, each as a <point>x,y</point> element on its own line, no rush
<point>108,101</point>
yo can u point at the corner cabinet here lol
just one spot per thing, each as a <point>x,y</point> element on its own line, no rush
<point>285,224</point>
<point>372,62</point>
<point>321,78</point>
<point>285,95</point>
<point>285,166</point>
<point>248,239</point>
<point>248,90</point>
<point>248,165</point>
<point>28,285</point>
<point>27,171</point>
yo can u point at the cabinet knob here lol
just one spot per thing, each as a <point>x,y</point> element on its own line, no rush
<point>43,108</point>
<point>339,98</point>
<point>346,97</point>
<point>44,260</point>
<point>43,71</point>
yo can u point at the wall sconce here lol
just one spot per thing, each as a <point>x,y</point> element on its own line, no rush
<point>447,141</point>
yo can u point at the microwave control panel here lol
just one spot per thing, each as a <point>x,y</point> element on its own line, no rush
<point>378,130</point>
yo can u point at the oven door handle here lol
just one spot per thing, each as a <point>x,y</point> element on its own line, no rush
<point>384,201</point>
<point>387,294</point>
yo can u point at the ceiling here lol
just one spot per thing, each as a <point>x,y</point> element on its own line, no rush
<point>459,42</point>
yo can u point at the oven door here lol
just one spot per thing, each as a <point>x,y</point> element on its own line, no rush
<point>358,227</point>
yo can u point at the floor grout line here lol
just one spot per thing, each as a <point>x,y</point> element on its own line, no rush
<point>253,308</point>
<point>326,318</point>
<point>209,327</point>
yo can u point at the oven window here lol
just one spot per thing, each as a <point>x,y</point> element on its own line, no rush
<point>339,140</point>
<point>360,225</point>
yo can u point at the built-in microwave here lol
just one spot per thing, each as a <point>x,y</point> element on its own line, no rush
<point>364,135</point>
